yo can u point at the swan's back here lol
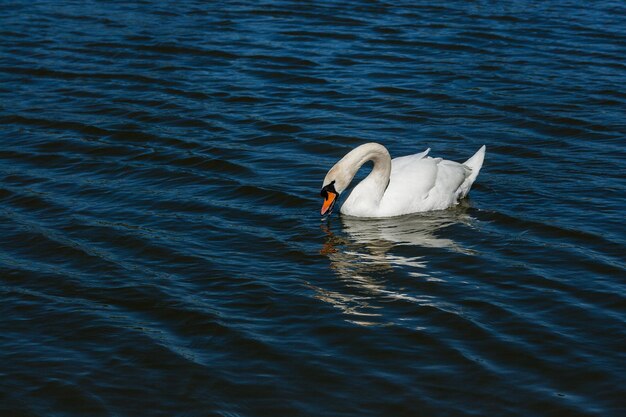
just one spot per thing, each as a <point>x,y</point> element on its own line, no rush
<point>422,183</point>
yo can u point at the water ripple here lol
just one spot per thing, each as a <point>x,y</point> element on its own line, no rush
<point>159,236</point>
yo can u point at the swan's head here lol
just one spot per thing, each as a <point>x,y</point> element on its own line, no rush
<point>329,194</point>
<point>338,179</point>
<point>335,182</point>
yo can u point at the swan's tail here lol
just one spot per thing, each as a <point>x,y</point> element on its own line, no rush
<point>474,163</point>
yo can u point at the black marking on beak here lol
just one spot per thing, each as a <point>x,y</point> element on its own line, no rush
<point>329,193</point>
<point>330,188</point>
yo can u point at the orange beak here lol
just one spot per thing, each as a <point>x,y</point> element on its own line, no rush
<point>329,202</point>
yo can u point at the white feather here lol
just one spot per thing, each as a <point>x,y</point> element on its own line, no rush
<point>408,184</point>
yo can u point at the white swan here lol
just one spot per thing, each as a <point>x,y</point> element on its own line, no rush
<point>407,184</point>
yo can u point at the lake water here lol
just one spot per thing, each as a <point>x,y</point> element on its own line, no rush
<point>161,249</point>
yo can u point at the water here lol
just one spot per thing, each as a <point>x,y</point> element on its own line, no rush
<point>161,251</point>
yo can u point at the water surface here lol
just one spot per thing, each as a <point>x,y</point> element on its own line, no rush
<point>161,251</point>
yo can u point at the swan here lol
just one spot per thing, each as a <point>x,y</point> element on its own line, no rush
<point>403,185</point>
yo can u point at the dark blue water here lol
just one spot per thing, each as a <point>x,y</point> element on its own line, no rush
<point>161,251</point>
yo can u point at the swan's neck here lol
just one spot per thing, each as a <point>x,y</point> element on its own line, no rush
<point>371,190</point>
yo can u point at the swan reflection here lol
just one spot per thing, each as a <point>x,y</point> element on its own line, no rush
<point>367,253</point>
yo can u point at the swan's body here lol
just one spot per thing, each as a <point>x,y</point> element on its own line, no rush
<point>408,184</point>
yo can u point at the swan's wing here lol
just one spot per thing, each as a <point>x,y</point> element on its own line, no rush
<point>412,177</point>
<point>419,183</point>
<point>450,176</point>
<point>419,176</point>
<point>401,162</point>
